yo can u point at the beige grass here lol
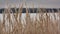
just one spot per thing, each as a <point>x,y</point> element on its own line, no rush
<point>44,25</point>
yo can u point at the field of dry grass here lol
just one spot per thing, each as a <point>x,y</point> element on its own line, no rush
<point>44,24</point>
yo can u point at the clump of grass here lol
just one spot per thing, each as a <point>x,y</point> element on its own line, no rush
<point>43,23</point>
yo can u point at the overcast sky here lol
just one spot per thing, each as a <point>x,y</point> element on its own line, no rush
<point>37,3</point>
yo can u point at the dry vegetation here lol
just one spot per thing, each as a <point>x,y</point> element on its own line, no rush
<point>41,25</point>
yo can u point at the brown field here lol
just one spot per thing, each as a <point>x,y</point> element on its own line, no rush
<point>41,25</point>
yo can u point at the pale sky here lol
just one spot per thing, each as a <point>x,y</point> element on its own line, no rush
<point>37,3</point>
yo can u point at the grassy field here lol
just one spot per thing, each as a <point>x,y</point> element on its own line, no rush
<point>44,24</point>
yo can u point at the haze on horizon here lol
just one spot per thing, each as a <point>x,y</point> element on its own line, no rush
<point>37,3</point>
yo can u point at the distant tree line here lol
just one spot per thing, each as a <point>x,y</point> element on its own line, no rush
<point>32,10</point>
